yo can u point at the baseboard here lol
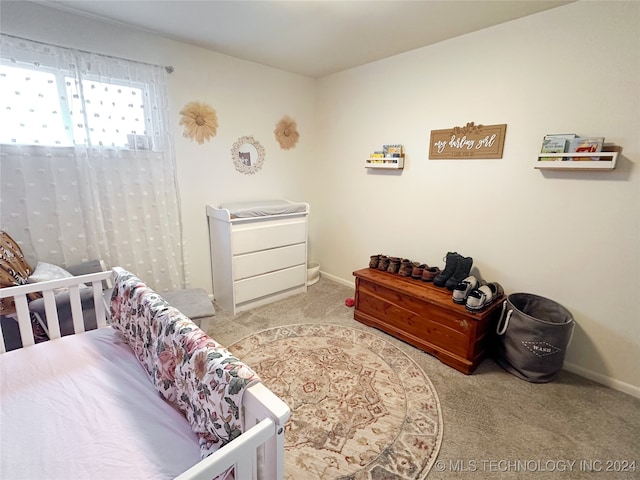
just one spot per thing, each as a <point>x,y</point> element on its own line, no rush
<point>603,379</point>
<point>341,281</point>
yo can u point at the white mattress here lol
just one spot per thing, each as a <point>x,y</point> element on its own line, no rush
<point>263,208</point>
<point>82,407</point>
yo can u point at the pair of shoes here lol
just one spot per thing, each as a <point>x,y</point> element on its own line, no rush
<point>374,261</point>
<point>430,273</point>
<point>406,267</point>
<point>418,269</point>
<point>424,272</point>
<point>457,268</point>
<point>462,290</point>
<point>394,265</point>
<point>383,263</point>
<point>483,296</point>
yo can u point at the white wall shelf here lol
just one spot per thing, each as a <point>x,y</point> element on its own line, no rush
<point>385,163</point>
<point>607,161</point>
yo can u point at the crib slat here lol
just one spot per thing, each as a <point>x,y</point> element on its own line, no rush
<point>259,402</point>
<point>2,347</point>
<point>242,455</point>
<point>51,311</point>
<point>98,301</point>
<point>24,320</point>
<point>76,308</point>
<point>246,468</point>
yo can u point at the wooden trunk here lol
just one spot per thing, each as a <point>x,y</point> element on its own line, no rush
<point>425,316</point>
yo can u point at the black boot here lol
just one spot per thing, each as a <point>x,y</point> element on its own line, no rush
<point>451,261</point>
<point>463,267</point>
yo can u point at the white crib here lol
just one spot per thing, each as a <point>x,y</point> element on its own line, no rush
<point>28,393</point>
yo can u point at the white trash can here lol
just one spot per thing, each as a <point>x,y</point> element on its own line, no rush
<point>313,272</point>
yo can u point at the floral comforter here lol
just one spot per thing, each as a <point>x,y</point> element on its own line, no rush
<point>189,369</point>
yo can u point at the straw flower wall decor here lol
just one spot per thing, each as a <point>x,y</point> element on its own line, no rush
<point>287,133</point>
<point>200,121</point>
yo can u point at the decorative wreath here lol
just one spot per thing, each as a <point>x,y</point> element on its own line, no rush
<point>200,121</point>
<point>287,133</point>
<point>248,155</point>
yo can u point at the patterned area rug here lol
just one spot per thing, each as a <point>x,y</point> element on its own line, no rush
<point>361,409</point>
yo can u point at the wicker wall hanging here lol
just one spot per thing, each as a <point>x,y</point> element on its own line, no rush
<point>200,121</point>
<point>287,133</point>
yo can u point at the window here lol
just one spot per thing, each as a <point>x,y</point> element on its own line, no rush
<point>112,113</point>
<point>31,104</point>
<point>87,164</point>
<point>49,106</point>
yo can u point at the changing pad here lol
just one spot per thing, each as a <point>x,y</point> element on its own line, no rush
<point>263,208</point>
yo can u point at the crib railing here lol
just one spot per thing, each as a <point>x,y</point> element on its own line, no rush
<point>48,290</point>
<point>257,454</point>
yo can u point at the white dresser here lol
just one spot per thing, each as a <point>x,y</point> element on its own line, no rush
<point>258,252</point>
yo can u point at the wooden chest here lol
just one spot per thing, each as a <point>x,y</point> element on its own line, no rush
<point>425,316</point>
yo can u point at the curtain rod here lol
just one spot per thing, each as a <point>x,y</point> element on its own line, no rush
<point>168,68</point>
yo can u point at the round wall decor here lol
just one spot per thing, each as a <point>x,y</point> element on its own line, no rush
<point>248,155</point>
<point>200,121</point>
<point>286,133</point>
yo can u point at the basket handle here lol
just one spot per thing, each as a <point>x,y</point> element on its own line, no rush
<point>501,330</point>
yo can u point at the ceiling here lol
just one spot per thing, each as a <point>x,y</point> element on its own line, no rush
<point>308,37</point>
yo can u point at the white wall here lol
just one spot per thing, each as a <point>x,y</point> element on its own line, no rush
<point>249,100</point>
<point>570,236</point>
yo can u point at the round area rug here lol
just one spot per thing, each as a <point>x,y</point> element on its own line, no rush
<point>360,407</point>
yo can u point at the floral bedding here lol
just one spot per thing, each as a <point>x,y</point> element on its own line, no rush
<point>189,369</point>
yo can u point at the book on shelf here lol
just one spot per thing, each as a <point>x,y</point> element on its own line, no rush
<point>392,150</point>
<point>552,144</point>
<point>587,144</point>
<point>566,136</point>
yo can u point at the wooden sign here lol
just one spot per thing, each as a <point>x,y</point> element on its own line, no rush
<point>471,141</point>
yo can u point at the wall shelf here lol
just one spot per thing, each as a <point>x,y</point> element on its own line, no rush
<point>385,163</point>
<point>607,161</point>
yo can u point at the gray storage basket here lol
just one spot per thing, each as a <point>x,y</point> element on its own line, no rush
<point>533,335</point>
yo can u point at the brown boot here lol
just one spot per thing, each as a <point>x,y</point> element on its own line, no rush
<point>430,273</point>
<point>406,267</point>
<point>417,271</point>
<point>394,265</point>
<point>383,263</point>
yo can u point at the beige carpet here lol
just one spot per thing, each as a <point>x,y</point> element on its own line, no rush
<point>361,408</point>
<point>490,416</point>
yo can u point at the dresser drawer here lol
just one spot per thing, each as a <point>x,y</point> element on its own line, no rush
<point>269,283</point>
<point>257,263</point>
<point>255,236</point>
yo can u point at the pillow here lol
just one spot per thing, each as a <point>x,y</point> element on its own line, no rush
<point>14,270</point>
<point>47,271</point>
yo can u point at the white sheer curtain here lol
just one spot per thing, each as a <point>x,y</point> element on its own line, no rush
<point>86,161</point>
